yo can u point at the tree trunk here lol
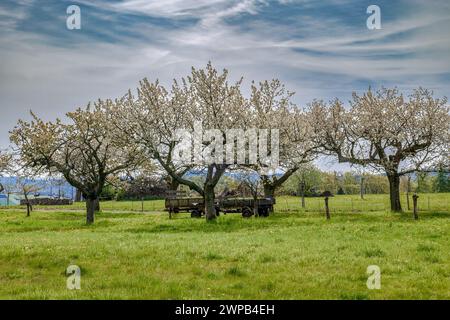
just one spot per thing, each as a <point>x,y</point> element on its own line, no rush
<point>28,204</point>
<point>97,205</point>
<point>173,185</point>
<point>210,210</point>
<point>269,190</point>
<point>90,209</point>
<point>394,191</point>
<point>255,204</point>
<point>271,184</point>
<point>78,196</point>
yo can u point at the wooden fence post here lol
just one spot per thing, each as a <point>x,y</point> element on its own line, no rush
<point>408,190</point>
<point>415,211</point>
<point>407,201</point>
<point>327,209</point>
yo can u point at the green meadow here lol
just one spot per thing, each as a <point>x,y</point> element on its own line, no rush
<point>293,254</point>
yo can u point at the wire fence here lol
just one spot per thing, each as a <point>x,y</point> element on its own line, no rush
<point>346,204</point>
<point>287,204</point>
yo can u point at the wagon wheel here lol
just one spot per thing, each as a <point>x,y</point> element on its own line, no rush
<point>247,212</point>
<point>176,210</point>
<point>196,214</point>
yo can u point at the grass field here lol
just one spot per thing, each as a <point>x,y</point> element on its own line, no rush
<point>293,254</point>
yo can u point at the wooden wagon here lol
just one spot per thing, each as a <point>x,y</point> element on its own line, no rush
<point>245,206</point>
<point>194,205</point>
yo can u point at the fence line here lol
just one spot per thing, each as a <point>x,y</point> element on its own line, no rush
<point>426,203</point>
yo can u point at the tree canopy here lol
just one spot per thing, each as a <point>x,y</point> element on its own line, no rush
<point>85,151</point>
<point>384,130</point>
<point>204,123</point>
<point>5,165</point>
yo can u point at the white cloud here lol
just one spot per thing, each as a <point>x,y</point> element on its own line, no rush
<point>9,18</point>
<point>208,11</point>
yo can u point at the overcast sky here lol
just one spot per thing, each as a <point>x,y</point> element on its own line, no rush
<point>320,49</point>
